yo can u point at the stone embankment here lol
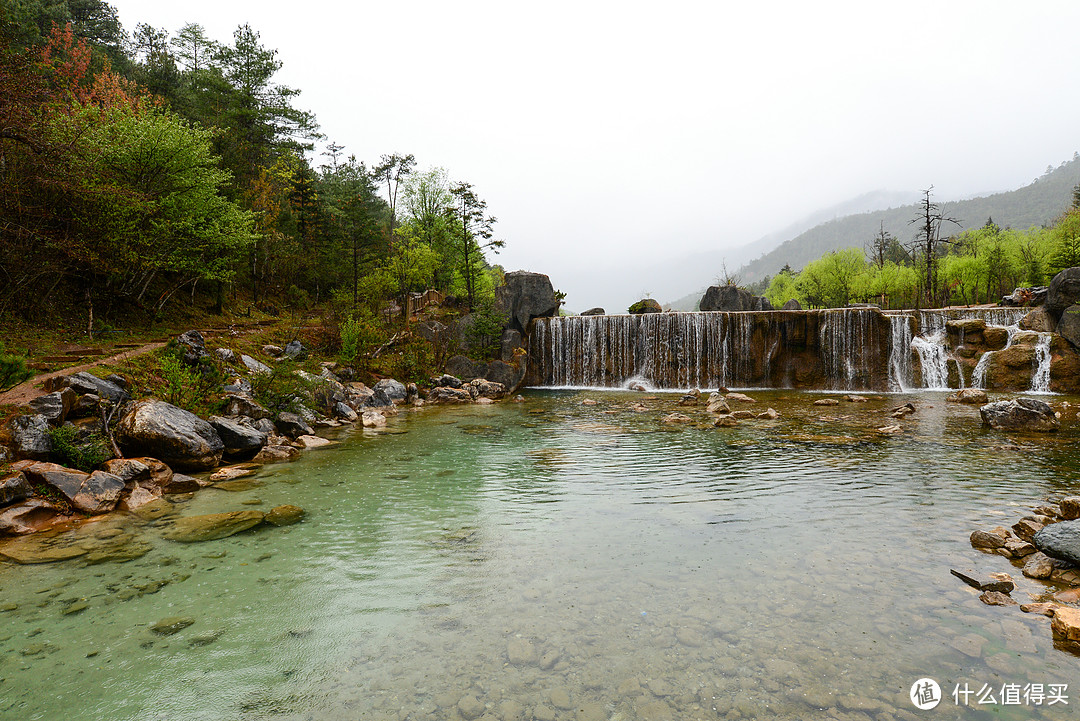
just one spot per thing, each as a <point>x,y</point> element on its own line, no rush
<point>155,443</point>
<point>1045,546</point>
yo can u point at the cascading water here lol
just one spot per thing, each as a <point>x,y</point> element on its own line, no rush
<point>842,349</point>
<point>1040,380</point>
<point>978,376</point>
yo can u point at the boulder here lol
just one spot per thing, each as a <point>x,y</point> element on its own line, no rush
<point>1060,540</point>
<point>449,395</point>
<point>644,306</point>
<point>1070,508</point>
<point>371,419</point>
<point>1039,565</point>
<point>487,389</point>
<point>276,453</point>
<point>989,540</point>
<point>973,396</point>
<point>1021,414</point>
<point>1038,320</point>
<point>1026,528</point>
<point>525,296</point>
<point>447,381</point>
<point>464,368</point>
<point>274,351</point>
<point>212,526</point>
<point>676,418</point>
<point>55,406</point>
<point>30,437</point>
<point>509,345</point>
<point>1064,291</point>
<point>292,425</point>
<point>14,488</point>
<point>254,366</point>
<point>226,355</point>
<point>792,305</point>
<point>86,383</point>
<point>392,389</point>
<point>1065,626</point>
<point>193,346</point>
<point>28,517</point>
<point>92,493</point>
<point>344,412</point>
<point>240,405</point>
<point>732,298</point>
<point>594,311</point>
<point>294,350</point>
<point>179,438</point>
<point>1068,327</point>
<point>239,440</point>
<point>506,374</point>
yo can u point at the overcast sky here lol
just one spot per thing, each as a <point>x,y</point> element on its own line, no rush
<point>604,135</point>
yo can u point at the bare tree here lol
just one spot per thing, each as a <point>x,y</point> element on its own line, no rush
<point>927,239</point>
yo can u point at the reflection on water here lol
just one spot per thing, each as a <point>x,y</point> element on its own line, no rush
<point>551,560</point>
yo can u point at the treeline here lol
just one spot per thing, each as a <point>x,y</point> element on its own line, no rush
<point>139,169</point>
<point>974,266</point>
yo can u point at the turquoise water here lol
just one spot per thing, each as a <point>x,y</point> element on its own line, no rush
<point>555,560</point>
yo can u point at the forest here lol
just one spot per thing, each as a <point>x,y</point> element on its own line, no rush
<point>162,168</point>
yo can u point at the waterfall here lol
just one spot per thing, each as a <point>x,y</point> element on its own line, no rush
<point>900,352</point>
<point>934,360</point>
<point>978,376</point>
<point>1040,380</point>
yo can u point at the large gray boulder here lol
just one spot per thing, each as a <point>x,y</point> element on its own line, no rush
<point>161,430</point>
<point>1060,540</point>
<point>792,305</point>
<point>732,298</point>
<point>465,368</point>
<point>1038,320</point>
<point>1020,414</point>
<point>14,488</point>
<point>55,406</point>
<point>30,437</point>
<point>92,493</point>
<point>525,296</point>
<point>1064,291</point>
<point>292,425</point>
<point>240,440</point>
<point>509,376</point>
<point>84,383</point>
<point>392,389</point>
<point>240,405</point>
<point>1069,325</point>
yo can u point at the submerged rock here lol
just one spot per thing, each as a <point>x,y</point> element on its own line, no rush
<point>27,517</point>
<point>285,515</point>
<point>1020,414</point>
<point>212,526</point>
<point>171,625</point>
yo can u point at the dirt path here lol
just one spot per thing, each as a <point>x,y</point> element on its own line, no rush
<point>23,393</point>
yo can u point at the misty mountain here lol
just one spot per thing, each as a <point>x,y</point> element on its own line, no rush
<point>1039,203</point>
<point>852,223</point>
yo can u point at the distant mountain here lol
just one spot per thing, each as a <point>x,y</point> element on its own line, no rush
<point>1039,203</point>
<point>744,254</point>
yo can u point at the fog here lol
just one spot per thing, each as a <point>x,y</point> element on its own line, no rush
<point>618,142</point>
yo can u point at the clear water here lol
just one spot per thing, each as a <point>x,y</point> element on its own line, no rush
<point>787,569</point>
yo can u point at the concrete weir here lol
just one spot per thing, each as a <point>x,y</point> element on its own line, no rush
<point>838,349</point>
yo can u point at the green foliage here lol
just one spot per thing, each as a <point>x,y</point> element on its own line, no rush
<point>781,289</point>
<point>85,455</point>
<point>12,369</point>
<point>282,389</point>
<point>483,334</point>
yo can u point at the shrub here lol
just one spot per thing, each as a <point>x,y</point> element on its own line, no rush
<point>12,369</point>
<point>69,451</point>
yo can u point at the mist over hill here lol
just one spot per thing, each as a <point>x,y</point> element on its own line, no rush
<point>851,224</point>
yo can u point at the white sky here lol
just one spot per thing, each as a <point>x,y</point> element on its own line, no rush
<point>606,135</point>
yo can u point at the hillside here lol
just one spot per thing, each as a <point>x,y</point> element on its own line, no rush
<point>1036,204</point>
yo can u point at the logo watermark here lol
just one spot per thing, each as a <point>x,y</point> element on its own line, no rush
<point>926,694</point>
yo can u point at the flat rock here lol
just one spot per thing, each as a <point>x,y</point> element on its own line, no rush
<point>228,473</point>
<point>676,418</point>
<point>740,398</point>
<point>973,396</point>
<point>521,651</point>
<point>39,550</point>
<point>826,402</point>
<point>1018,548</point>
<point>212,526</point>
<point>992,582</point>
<point>314,441</point>
<point>1060,540</point>
<point>725,420</point>
<point>276,454</point>
<point>255,367</point>
<point>996,598</point>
